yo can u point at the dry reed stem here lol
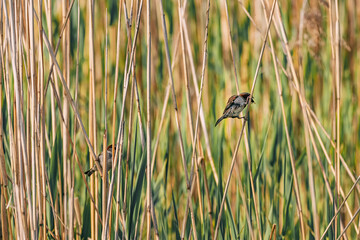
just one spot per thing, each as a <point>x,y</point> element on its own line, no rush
<point>165,103</point>
<point>139,112</point>
<point>148,129</point>
<point>231,48</point>
<point>193,156</point>
<point>244,199</point>
<point>247,147</point>
<point>130,115</point>
<point>244,123</point>
<point>42,128</point>
<point>307,105</point>
<point>71,230</point>
<point>191,124</point>
<point>127,75</point>
<point>108,208</point>
<point>176,114</point>
<point>337,90</point>
<point>19,200</point>
<point>72,143</point>
<point>116,75</point>
<point>348,225</point>
<point>105,173</point>
<point>297,192</point>
<point>118,215</point>
<point>339,209</point>
<point>273,232</point>
<point>304,103</point>
<point>202,118</point>
<point>19,120</point>
<point>92,117</point>
<point>72,104</point>
<point>307,128</point>
<point>65,141</point>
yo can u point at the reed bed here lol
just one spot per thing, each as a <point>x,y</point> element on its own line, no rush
<point>151,78</point>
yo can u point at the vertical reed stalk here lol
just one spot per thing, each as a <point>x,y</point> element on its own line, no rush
<point>33,104</point>
<point>247,147</point>
<point>244,123</point>
<point>148,129</point>
<point>104,164</point>
<point>338,86</point>
<point>42,127</point>
<point>168,61</point>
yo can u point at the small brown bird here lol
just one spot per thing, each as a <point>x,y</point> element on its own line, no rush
<point>234,106</point>
<point>100,161</point>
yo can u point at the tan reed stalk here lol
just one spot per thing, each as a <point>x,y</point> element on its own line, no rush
<point>148,129</point>
<point>92,131</point>
<point>128,31</point>
<point>339,209</point>
<point>343,162</point>
<point>303,102</point>
<point>108,209</point>
<point>308,107</point>
<point>71,204</point>
<point>328,185</point>
<point>42,127</point>
<point>33,160</point>
<point>348,225</point>
<point>337,90</point>
<point>140,125</point>
<point>5,219</point>
<point>202,164</point>
<point>65,142</point>
<point>18,183</point>
<point>307,126</point>
<point>115,94</point>
<point>3,178</point>
<point>48,7</point>
<point>243,198</point>
<point>142,137</point>
<point>30,195</point>
<point>287,132</point>
<point>116,75</point>
<point>231,48</point>
<point>79,120</point>
<point>273,232</point>
<point>104,169</point>
<point>130,114</point>
<point>165,103</point>
<point>126,83</point>
<point>51,69</point>
<point>118,215</point>
<point>128,150</point>
<point>247,147</point>
<point>72,104</point>
<point>202,118</point>
<point>197,119</point>
<point>244,122</point>
<point>168,61</point>
<point>194,157</point>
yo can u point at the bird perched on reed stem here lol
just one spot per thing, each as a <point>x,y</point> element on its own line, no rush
<point>234,106</point>
<point>100,160</point>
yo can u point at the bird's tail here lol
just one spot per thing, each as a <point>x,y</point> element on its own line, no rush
<point>219,120</point>
<point>90,171</point>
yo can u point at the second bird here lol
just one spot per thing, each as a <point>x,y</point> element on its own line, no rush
<point>100,160</point>
<point>234,106</point>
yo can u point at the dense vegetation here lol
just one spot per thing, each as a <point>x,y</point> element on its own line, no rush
<point>80,75</point>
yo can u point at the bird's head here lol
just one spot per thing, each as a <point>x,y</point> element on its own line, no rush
<point>111,147</point>
<point>246,96</point>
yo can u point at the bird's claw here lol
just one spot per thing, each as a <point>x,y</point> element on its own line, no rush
<point>244,117</point>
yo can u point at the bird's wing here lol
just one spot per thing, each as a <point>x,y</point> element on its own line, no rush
<point>230,102</point>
